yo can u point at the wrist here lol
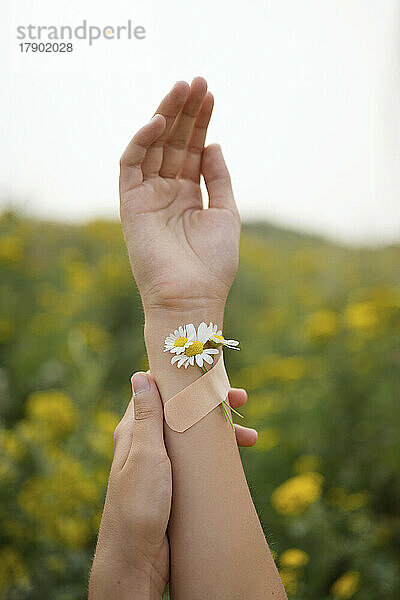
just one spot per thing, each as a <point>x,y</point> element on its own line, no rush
<point>159,323</point>
<point>186,311</point>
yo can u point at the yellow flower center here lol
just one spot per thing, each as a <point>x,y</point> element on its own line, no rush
<point>215,344</point>
<point>180,341</point>
<point>195,348</point>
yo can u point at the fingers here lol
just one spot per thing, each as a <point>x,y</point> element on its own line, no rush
<point>217,179</point>
<point>192,163</point>
<point>141,428</point>
<point>148,423</point>
<point>237,397</point>
<point>245,436</point>
<point>181,130</point>
<point>132,158</point>
<point>172,143</point>
<point>169,108</point>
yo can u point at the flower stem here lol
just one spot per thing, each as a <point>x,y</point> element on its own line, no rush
<point>236,412</point>
<point>226,414</point>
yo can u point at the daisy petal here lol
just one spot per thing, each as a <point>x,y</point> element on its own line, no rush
<point>208,359</point>
<point>190,331</point>
<point>202,333</point>
<point>199,360</point>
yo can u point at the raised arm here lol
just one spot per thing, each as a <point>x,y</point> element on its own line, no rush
<point>184,259</point>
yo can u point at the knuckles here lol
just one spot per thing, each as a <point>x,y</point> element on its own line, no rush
<point>143,412</point>
<point>145,459</point>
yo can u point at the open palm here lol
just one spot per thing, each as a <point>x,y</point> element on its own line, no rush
<point>179,251</point>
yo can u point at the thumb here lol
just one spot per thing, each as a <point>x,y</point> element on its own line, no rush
<point>217,179</point>
<point>148,412</point>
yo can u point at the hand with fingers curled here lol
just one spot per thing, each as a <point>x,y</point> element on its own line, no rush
<point>132,554</point>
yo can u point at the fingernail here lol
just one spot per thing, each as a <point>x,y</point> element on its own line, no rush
<point>140,383</point>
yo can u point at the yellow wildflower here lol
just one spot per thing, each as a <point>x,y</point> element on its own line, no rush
<point>347,585</point>
<point>10,249</point>
<point>54,411</point>
<point>361,315</point>
<point>356,500</point>
<point>322,325</point>
<point>295,495</point>
<point>294,558</point>
<point>337,496</point>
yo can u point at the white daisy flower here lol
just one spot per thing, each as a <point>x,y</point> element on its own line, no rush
<point>218,339</point>
<point>177,341</point>
<point>194,351</point>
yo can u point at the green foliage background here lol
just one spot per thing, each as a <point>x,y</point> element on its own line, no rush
<point>319,331</point>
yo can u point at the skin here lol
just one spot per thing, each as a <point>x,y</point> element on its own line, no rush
<point>182,256</point>
<point>132,552</point>
<point>184,260</point>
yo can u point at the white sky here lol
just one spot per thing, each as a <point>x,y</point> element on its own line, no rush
<point>307,106</point>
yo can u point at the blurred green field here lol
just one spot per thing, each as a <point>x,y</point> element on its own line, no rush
<point>319,326</point>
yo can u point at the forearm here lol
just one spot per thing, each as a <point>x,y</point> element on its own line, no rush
<point>213,517</point>
<point>121,581</point>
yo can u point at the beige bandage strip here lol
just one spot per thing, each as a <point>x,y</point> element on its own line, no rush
<point>198,399</point>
